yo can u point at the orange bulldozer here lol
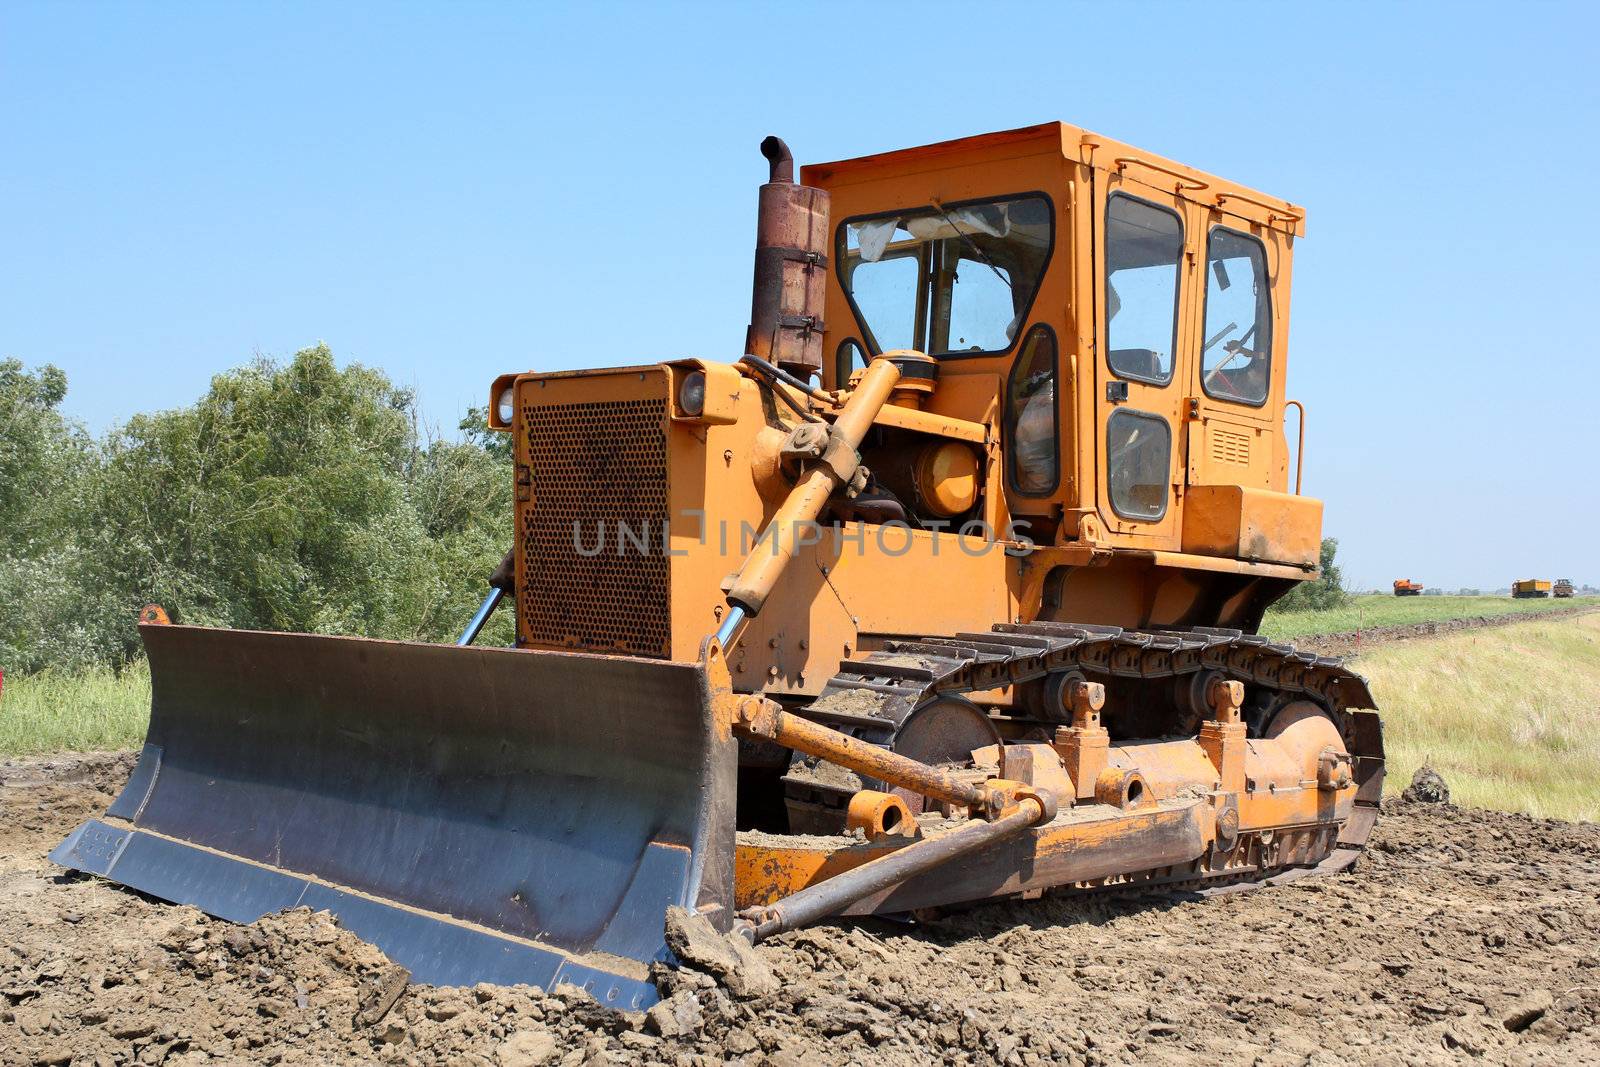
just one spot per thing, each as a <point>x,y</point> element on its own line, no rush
<point>944,587</point>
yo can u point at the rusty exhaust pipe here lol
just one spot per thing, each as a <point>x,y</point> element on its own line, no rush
<point>789,285</point>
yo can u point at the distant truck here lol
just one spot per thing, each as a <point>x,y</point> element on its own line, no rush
<point>1406,587</point>
<point>1562,588</point>
<point>1530,587</point>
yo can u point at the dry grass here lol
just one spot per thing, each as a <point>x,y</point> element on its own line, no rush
<point>1510,716</point>
<point>79,711</point>
<point>1367,611</point>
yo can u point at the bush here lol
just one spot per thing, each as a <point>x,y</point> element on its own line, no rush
<point>1323,594</point>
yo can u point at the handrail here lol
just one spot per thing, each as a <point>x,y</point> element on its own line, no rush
<point>1300,446</point>
<point>1274,211</point>
<point>1184,181</point>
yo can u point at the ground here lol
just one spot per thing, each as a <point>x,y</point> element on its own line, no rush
<point>1462,933</point>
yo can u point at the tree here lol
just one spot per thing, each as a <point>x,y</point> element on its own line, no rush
<point>1326,592</point>
<point>296,497</point>
<point>42,459</point>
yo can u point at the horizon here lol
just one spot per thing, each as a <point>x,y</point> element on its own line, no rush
<point>447,195</point>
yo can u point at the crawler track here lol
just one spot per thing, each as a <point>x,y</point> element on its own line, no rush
<point>873,696</point>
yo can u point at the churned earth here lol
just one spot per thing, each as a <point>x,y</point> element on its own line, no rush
<point>1463,935</point>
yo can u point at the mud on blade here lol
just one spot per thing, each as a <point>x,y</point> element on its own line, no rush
<point>479,814</point>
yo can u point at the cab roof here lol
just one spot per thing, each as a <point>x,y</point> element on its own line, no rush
<point>1075,145</point>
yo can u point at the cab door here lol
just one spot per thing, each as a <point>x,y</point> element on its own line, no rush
<point>1235,426</point>
<point>1144,313</point>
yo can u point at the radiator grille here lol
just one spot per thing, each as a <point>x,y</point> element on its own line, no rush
<point>1228,446</point>
<point>596,465</point>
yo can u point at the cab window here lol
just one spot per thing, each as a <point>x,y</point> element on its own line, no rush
<point>1235,361</point>
<point>948,280</point>
<point>1143,245</point>
<point>1031,414</point>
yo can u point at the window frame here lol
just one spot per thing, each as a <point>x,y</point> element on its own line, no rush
<point>1205,305</point>
<point>1177,287</point>
<point>1008,427</point>
<point>841,359</point>
<point>869,340</point>
<point>1166,496</point>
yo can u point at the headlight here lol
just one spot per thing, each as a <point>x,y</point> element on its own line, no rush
<point>506,408</point>
<point>692,394</point>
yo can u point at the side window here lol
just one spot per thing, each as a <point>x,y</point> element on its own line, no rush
<point>1031,414</point>
<point>1143,246</point>
<point>1235,362</point>
<point>1138,463</point>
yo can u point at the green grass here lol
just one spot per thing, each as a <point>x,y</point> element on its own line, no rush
<point>1509,716</point>
<point>77,711</point>
<point>1371,610</point>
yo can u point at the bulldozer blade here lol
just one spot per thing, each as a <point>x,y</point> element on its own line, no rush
<point>479,814</point>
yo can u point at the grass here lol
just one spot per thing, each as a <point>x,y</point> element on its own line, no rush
<point>1509,716</point>
<point>1370,610</point>
<point>75,711</point>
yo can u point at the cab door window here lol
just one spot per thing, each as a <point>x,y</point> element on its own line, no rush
<point>1138,462</point>
<point>1143,246</point>
<point>1237,352</point>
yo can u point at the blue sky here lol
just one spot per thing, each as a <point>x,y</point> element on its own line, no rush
<point>451,192</point>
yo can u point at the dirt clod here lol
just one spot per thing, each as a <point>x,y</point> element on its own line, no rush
<point>735,964</point>
<point>1427,787</point>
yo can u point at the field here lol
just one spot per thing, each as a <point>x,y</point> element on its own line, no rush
<point>1369,611</point>
<point>1510,716</point>
<point>1507,714</point>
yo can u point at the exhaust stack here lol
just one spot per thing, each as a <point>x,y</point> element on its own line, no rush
<point>790,280</point>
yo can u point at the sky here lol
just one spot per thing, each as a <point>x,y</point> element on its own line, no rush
<point>452,192</point>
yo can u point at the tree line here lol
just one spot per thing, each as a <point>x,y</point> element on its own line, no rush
<point>292,496</point>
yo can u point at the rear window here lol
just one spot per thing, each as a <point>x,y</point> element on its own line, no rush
<point>947,280</point>
<point>1238,343</point>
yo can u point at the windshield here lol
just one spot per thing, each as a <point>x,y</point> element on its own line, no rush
<point>946,280</point>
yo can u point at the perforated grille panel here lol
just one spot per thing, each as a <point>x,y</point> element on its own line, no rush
<point>586,583</point>
<point>1228,446</point>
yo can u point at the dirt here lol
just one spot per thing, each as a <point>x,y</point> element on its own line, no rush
<point>1462,934</point>
<point>1355,642</point>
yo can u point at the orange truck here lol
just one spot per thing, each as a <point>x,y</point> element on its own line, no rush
<point>1529,588</point>
<point>1406,587</point>
<point>940,583</point>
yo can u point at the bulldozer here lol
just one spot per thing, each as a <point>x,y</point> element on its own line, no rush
<point>944,587</point>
